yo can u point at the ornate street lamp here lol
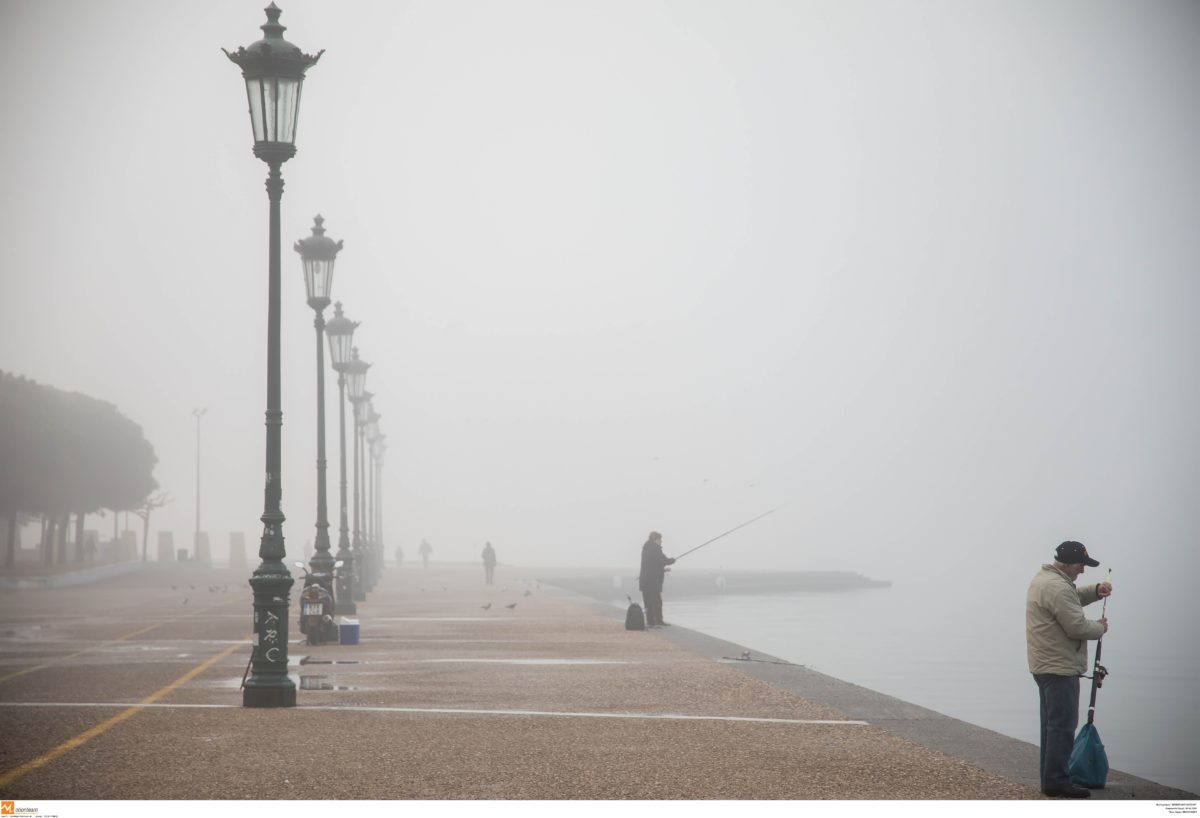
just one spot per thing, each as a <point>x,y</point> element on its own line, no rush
<point>356,377</point>
<point>340,331</point>
<point>318,253</point>
<point>273,70</point>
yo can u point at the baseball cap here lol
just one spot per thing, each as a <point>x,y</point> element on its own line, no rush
<point>1074,553</point>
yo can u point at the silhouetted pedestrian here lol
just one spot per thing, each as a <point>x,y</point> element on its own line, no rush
<point>650,581</point>
<point>489,562</point>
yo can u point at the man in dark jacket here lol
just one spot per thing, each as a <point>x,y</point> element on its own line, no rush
<point>650,583</point>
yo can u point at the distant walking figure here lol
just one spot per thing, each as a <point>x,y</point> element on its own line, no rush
<point>425,550</point>
<point>399,555</point>
<point>489,562</point>
<point>650,582</point>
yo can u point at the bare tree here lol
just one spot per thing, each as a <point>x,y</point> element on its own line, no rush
<point>145,510</point>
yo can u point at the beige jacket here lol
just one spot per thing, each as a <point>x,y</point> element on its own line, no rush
<point>1056,631</point>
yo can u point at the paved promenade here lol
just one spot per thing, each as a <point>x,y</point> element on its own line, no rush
<point>128,688</point>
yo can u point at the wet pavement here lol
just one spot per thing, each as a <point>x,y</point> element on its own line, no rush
<point>128,688</point>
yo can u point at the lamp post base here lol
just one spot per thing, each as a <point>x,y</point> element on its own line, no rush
<point>276,696</point>
<point>269,684</point>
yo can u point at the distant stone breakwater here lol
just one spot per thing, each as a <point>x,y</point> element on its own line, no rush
<point>606,587</point>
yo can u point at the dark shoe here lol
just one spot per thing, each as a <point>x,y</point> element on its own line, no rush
<point>1069,792</point>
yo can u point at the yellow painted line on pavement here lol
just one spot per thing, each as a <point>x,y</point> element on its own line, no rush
<point>89,734</point>
<point>106,644</point>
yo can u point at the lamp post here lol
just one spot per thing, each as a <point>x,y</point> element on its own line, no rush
<point>318,253</point>
<point>340,331</point>
<point>370,433</point>
<point>362,412</point>
<point>379,483</point>
<point>273,70</point>
<point>377,520</point>
<point>360,402</point>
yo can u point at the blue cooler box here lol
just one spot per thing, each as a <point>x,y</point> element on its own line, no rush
<point>348,631</point>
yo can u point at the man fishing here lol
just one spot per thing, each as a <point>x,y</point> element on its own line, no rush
<point>1056,635</point>
<point>650,582</point>
<point>654,569</point>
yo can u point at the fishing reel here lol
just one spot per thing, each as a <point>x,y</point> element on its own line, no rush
<point>1099,673</point>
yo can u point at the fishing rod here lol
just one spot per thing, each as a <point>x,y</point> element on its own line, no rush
<point>719,536</point>
<point>1098,670</point>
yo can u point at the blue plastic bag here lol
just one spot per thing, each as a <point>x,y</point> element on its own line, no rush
<point>1089,762</point>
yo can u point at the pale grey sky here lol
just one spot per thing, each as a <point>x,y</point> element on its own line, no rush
<point>924,274</point>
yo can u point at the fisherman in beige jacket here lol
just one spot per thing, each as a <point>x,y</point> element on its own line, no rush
<point>1056,634</point>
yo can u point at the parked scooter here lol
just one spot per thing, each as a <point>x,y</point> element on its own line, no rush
<point>316,606</point>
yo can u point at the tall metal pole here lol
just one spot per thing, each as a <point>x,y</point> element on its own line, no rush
<point>365,543</point>
<point>379,513</point>
<point>371,542</point>
<point>358,590</point>
<point>269,684</point>
<point>345,585</point>
<point>381,553</point>
<point>322,561</point>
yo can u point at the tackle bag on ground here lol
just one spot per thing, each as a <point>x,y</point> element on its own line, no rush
<point>635,620</point>
<point>1089,762</point>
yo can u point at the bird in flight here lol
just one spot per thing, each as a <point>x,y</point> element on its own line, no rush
<point>510,607</point>
<point>485,607</point>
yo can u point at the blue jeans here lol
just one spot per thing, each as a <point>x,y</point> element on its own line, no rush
<point>1059,697</point>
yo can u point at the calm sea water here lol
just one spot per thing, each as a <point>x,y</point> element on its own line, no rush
<point>966,658</point>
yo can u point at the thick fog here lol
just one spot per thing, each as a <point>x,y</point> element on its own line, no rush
<point>922,276</point>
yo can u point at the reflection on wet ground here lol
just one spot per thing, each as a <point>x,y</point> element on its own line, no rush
<point>321,683</point>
